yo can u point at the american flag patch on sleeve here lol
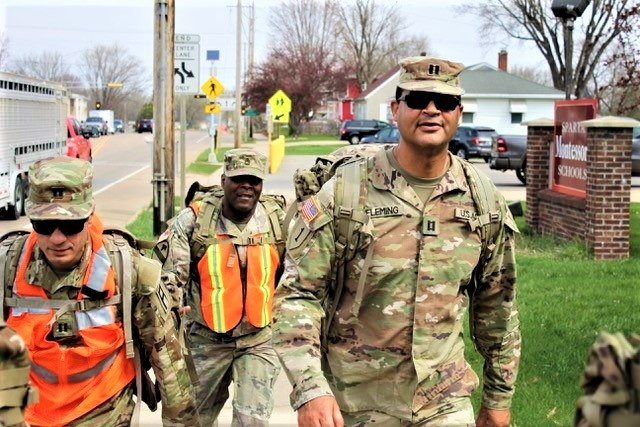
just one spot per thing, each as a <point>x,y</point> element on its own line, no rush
<point>310,209</point>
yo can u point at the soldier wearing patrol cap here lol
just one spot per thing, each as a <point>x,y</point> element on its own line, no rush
<point>376,337</point>
<point>86,304</point>
<point>221,252</point>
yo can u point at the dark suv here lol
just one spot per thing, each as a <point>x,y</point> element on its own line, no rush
<point>144,125</point>
<point>354,130</point>
<point>473,141</point>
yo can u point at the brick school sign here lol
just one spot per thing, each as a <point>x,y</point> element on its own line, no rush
<point>579,186</point>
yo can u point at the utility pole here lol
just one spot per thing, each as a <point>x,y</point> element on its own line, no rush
<point>163,144</point>
<point>237,133</point>
<point>252,38</point>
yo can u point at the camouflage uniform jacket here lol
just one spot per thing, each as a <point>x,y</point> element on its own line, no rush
<point>152,324</point>
<point>402,346</point>
<point>175,247</point>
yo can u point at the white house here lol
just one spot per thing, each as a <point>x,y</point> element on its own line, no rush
<point>493,97</point>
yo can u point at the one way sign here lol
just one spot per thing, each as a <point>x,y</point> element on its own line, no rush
<point>186,64</point>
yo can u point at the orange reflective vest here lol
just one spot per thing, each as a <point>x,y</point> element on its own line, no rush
<point>72,381</point>
<point>223,298</point>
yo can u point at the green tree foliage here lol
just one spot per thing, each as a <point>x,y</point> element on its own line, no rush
<point>146,112</point>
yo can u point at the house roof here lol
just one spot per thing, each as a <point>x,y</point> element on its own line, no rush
<point>484,79</point>
<point>480,79</point>
<point>380,81</point>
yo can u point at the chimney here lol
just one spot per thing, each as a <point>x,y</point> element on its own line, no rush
<point>502,60</point>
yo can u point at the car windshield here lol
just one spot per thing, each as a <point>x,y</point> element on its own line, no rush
<point>94,119</point>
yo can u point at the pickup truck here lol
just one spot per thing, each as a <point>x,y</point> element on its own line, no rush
<point>509,152</point>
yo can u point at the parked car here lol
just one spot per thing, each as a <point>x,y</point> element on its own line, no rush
<point>78,143</point>
<point>509,152</point>
<point>99,123</point>
<point>144,125</point>
<point>118,125</point>
<point>472,141</point>
<point>388,135</point>
<point>635,152</point>
<point>354,130</point>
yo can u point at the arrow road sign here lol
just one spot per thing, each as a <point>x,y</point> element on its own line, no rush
<point>280,107</point>
<point>186,64</point>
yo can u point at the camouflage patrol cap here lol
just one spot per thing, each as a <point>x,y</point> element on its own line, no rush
<point>426,74</point>
<point>60,188</point>
<point>244,161</point>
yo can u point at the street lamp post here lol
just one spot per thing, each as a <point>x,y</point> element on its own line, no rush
<point>568,11</point>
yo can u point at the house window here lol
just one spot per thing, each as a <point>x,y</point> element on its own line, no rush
<point>467,117</point>
<point>516,118</point>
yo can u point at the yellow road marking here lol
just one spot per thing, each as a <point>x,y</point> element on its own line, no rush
<point>97,146</point>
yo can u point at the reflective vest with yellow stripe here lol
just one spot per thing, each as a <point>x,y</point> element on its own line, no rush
<point>72,381</point>
<point>223,298</point>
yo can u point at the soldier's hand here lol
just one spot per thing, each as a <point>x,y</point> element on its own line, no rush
<point>11,344</point>
<point>320,412</point>
<point>493,417</point>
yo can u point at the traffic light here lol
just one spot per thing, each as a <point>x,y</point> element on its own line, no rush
<point>199,96</point>
<point>98,105</point>
<point>243,110</point>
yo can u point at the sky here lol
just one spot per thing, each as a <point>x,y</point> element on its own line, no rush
<point>71,26</point>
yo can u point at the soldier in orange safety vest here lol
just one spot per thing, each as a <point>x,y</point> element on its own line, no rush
<point>91,310</point>
<point>221,253</point>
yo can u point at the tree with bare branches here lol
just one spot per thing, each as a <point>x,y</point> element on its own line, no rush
<point>111,75</point>
<point>301,61</point>
<point>533,23</point>
<point>372,39</point>
<point>4,51</point>
<point>51,66</point>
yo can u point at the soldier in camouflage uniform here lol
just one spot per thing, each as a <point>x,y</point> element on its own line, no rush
<point>65,297</point>
<point>15,392</point>
<point>229,288</point>
<point>395,350</point>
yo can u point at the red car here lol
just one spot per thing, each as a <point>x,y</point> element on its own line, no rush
<point>78,145</point>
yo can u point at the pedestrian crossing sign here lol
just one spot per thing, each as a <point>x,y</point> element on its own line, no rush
<point>212,88</point>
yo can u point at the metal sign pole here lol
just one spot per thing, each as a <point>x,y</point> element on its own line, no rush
<point>183,150</point>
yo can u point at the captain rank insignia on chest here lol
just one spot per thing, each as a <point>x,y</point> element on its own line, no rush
<point>430,226</point>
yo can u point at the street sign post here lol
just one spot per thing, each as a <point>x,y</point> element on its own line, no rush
<point>186,64</point>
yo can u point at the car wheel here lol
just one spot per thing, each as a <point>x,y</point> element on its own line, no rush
<point>354,140</point>
<point>14,210</point>
<point>461,152</point>
<point>522,173</point>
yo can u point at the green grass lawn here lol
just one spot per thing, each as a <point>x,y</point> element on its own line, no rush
<point>315,150</point>
<point>565,298</point>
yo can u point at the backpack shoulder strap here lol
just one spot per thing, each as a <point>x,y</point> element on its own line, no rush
<point>11,245</point>
<point>490,211</point>
<point>275,205</point>
<point>117,245</point>
<point>206,215</point>
<point>350,217</point>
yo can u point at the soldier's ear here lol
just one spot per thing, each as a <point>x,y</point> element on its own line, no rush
<point>222,179</point>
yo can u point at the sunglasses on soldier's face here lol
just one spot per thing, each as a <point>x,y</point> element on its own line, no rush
<point>418,100</point>
<point>68,227</point>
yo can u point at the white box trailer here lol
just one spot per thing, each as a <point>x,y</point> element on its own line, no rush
<point>32,127</point>
<point>107,115</point>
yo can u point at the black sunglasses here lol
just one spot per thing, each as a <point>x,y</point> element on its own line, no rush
<point>418,100</point>
<point>68,227</point>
